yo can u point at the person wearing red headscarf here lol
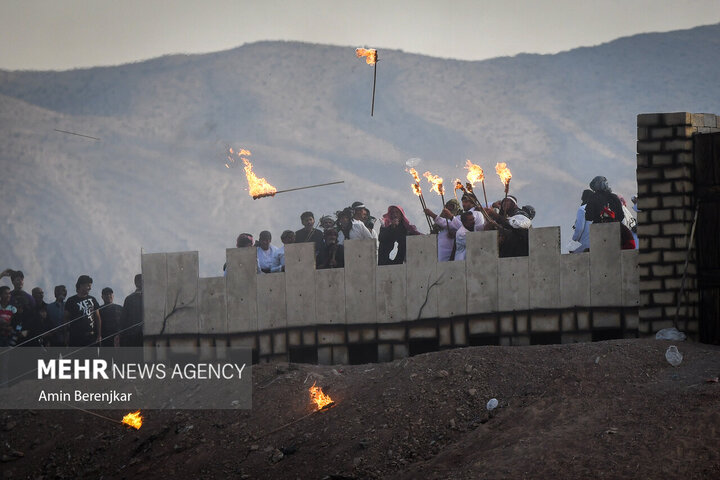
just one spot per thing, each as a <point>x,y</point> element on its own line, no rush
<point>395,228</point>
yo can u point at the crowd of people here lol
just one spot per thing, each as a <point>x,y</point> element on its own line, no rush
<point>27,320</point>
<point>451,225</point>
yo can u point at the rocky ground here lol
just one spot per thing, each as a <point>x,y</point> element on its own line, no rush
<point>612,409</point>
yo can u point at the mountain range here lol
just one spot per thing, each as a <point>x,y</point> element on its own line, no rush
<point>154,177</point>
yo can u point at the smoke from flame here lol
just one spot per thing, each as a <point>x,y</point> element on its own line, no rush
<point>475,173</point>
<point>256,186</point>
<point>436,181</point>
<point>370,55</point>
<point>504,173</point>
<point>319,398</point>
<point>134,419</point>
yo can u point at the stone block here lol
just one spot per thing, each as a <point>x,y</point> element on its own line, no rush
<point>643,188</point>
<point>445,339</point>
<point>452,294</point>
<point>660,160</point>
<point>400,350</point>
<point>330,336</point>
<point>360,267</point>
<point>630,278</point>
<point>575,279</point>
<point>459,335</point>
<point>684,158</point>
<point>660,243</point>
<point>540,322</point>
<point>568,321</point>
<point>309,337</point>
<point>353,336</point>
<point>682,215</point>
<point>661,188</point>
<point>650,120</point>
<point>664,298</point>
<point>677,228</point>
<point>664,215</point>
<point>643,160</point>
<point>648,174</point>
<point>385,352</point>
<point>677,256</point>
<point>482,272</point>
<point>264,344</point>
<point>390,293</point>
<point>212,309</point>
<point>506,324</point>
<point>583,319</point>
<point>422,332</point>
<point>340,355</point>
<point>660,133</point>
<point>241,289</point>
<point>182,295</point>
<point>422,298</point>
<point>673,201</point>
<point>271,307</point>
<point>648,230</point>
<point>606,319</point>
<point>367,335</point>
<point>632,320</point>
<point>683,131</point>
<point>677,173</point>
<point>643,133</point>
<point>605,264</point>
<point>482,325</point>
<point>677,145</point>
<point>279,342</point>
<point>513,278</point>
<point>293,337</point>
<point>324,355</point>
<point>521,321</point>
<point>662,270</point>
<point>544,267</point>
<point>300,284</point>
<point>646,203</point>
<point>676,118</point>
<point>646,313</point>
<point>329,295</point>
<point>391,334</point>
<point>520,341</point>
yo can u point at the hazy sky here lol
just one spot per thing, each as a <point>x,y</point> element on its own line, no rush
<point>63,34</point>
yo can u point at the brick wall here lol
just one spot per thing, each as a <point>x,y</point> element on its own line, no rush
<point>665,160</point>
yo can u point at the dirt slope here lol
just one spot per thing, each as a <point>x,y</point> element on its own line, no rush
<point>611,409</point>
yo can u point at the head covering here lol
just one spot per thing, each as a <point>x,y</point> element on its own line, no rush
<point>453,205</point>
<point>600,184</point>
<point>357,205</point>
<point>411,229</point>
<point>529,210</point>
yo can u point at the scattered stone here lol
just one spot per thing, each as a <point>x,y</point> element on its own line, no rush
<point>254,447</point>
<point>357,461</point>
<point>276,456</point>
<point>442,374</point>
<point>468,368</point>
<point>472,392</point>
<point>452,423</point>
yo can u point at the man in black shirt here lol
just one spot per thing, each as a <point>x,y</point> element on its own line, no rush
<point>309,233</point>
<point>111,319</point>
<point>132,317</point>
<point>82,316</point>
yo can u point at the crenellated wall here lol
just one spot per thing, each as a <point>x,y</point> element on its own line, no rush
<point>366,312</point>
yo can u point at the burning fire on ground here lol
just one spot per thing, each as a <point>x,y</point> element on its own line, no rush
<point>134,419</point>
<point>319,398</point>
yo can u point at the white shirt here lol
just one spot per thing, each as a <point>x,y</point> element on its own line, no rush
<point>460,236</point>
<point>446,239</point>
<point>268,259</point>
<point>582,231</point>
<point>359,230</point>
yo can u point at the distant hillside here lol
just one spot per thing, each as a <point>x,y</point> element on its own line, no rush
<point>156,180</point>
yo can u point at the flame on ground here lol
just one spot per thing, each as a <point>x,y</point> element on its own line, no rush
<point>256,186</point>
<point>504,173</point>
<point>436,182</point>
<point>319,398</point>
<point>370,55</point>
<point>475,173</point>
<point>133,419</point>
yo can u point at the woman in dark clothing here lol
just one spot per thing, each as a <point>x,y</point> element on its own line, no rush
<point>396,227</point>
<point>603,205</point>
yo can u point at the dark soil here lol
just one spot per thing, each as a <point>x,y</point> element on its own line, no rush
<point>612,409</point>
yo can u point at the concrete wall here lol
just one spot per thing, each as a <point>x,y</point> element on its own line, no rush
<point>397,309</point>
<point>666,200</point>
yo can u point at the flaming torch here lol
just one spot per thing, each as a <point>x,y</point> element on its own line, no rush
<point>134,419</point>
<point>475,174</point>
<point>437,186</point>
<point>371,58</point>
<point>418,191</point>
<point>505,176</point>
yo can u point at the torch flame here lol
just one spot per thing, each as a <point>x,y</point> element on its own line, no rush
<point>459,185</point>
<point>257,186</point>
<point>370,55</point>
<point>475,173</point>
<point>133,419</point>
<point>416,189</point>
<point>436,182</point>
<point>415,186</point>
<point>321,400</point>
<point>504,173</point>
